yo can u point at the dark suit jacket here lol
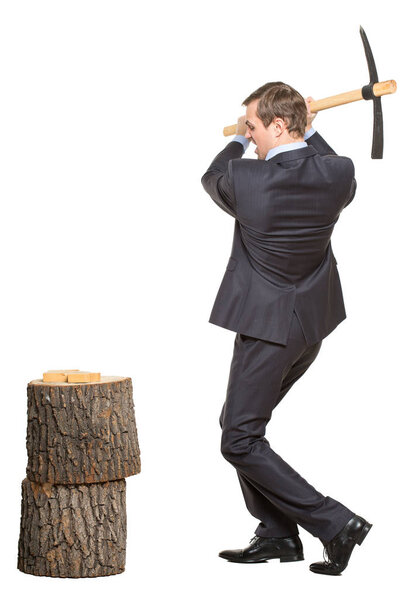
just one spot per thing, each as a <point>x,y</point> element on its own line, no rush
<point>281,260</point>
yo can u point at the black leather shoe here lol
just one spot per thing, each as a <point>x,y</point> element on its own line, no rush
<point>261,549</point>
<point>340,547</point>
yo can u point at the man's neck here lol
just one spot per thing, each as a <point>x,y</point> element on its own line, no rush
<point>288,139</point>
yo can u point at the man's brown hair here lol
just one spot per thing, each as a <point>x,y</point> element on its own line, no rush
<point>278,99</point>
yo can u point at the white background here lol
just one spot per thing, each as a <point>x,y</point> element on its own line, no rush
<point>112,254</point>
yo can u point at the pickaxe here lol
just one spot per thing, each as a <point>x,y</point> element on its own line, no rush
<point>372,91</point>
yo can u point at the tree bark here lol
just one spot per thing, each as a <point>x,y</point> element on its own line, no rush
<point>73,530</point>
<point>81,433</point>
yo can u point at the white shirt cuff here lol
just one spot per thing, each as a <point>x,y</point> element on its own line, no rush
<point>309,133</point>
<point>243,140</point>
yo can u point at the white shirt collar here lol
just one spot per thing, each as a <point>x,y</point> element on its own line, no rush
<point>284,148</point>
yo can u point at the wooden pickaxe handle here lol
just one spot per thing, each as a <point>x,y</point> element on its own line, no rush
<point>379,89</point>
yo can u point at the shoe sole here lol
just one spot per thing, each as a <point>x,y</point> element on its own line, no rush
<point>282,559</point>
<point>363,533</point>
<point>291,558</point>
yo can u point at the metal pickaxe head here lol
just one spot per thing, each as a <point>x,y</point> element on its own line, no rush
<point>373,91</point>
<point>367,93</point>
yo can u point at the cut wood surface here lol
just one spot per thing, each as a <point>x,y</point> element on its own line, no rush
<point>58,375</point>
<point>73,531</point>
<point>81,433</point>
<point>82,377</point>
<point>72,376</point>
<point>103,379</point>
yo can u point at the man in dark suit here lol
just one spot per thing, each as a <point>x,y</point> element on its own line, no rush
<point>281,294</point>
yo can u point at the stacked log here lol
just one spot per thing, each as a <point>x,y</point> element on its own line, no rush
<point>81,444</point>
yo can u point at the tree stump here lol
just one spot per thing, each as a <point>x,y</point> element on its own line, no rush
<point>73,530</point>
<point>81,444</point>
<point>81,433</point>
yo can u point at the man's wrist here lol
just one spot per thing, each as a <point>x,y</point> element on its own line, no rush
<point>242,140</point>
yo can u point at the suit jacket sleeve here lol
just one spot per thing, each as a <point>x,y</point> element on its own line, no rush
<point>218,179</point>
<point>317,141</point>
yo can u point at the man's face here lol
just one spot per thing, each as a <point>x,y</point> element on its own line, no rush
<point>264,138</point>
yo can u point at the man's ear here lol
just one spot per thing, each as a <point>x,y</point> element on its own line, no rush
<point>279,126</point>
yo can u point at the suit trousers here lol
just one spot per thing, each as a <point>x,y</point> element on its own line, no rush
<point>261,373</point>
